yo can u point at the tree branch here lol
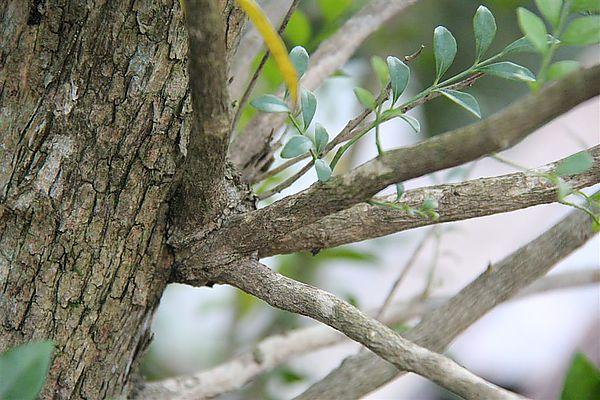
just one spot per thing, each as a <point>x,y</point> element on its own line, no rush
<point>331,55</point>
<point>459,201</point>
<point>200,191</point>
<point>363,373</point>
<point>247,233</point>
<point>278,349</point>
<point>290,295</point>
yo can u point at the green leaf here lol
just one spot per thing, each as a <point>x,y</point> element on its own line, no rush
<point>288,375</point>
<point>296,146</point>
<point>464,100</point>
<point>575,164</point>
<point>508,70</point>
<point>299,57</point>
<point>550,9</point>
<point>298,30</point>
<point>365,98</point>
<point>582,31</point>
<point>323,170</point>
<point>380,69</point>
<point>399,190</point>
<point>444,47</point>
<point>333,9</point>
<point>308,101</point>
<point>533,28</point>
<point>484,26</point>
<point>23,370</point>
<point>399,76</point>
<point>562,68</point>
<point>413,122</point>
<point>564,189</point>
<point>585,5</point>
<point>524,45</point>
<point>429,204</point>
<point>321,137</point>
<point>582,381</point>
<point>269,103</point>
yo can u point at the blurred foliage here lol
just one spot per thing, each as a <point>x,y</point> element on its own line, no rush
<point>582,381</point>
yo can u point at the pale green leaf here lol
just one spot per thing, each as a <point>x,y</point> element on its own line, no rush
<point>296,146</point>
<point>484,26</point>
<point>444,47</point>
<point>23,370</point>
<point>550,9</point>
<point>399,76</point>
<point>464,100</point>
<point>533,28</point>
<point>562,68</point>
<point>413,122</point>
<point>508,70</point>
<point>575,164</point>
<point>524,45</point>
<point>299,57</point>
<point>323,170</point>
<point>321,137</point>
<point>365,98</point>
<point>380,69</point>
<point>585,5</point>
<point>582,31</point>
<point>308,101</point>
<point>269,103</point>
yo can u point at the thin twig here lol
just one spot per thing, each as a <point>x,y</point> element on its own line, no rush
<point>263,61</point>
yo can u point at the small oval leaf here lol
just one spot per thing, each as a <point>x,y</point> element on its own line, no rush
<point>464,100</point>
<point>381,70</point>
<point>582,31</point>
<point>308,101</point>
<point>269,103</point>
<point>562,68</point>
<point>365,98</point>
<point>296,146</point>
<point>399,77</point>
<point>508,70</point>
<point>484,26</point>
<point>321,137</point>
<point>575,164</point>
<point>299,58</point>
<point>444,47</point>
<point>323,170</point>
<point>533,28</point>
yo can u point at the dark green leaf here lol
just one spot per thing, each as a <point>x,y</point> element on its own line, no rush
<point>321,137</point>
<point>562,68</point>
<point>296,146</point>
<point>575,164</point>
<point>523,45</point>
<point>365,98</point>
<point>582,31</point>
<point>399,76</point>
<point>323,170</point>
<point>508,70</point>
<point>550,9</point>
<point>444,47</point>
<point>23,370</point>
<point>484,26</point>
<point>380,69</point>
<point>270,103</point>
<point>299,58</point>
<point>308,101</point>
<point>582,381</point>
<point>533,28</point>
<point>585,5</point>
<point>464,100</point>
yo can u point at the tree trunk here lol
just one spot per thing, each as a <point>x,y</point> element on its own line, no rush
<point>93,121</point>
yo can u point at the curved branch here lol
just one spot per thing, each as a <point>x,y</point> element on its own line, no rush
<point>459,201</point>
<point>363,373</point>
<point>290,295</point>
<point>278,349</point>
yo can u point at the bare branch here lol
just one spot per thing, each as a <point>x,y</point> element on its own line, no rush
<point>290,295</point>
<point>277,349</point>
<point>331,55</point>
<point>363,373</point>
<point>459,201</point>
<point>202,176</point>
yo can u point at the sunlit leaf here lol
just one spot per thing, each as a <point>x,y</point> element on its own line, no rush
<point>582,31</point>
<point>533,28</point>
<point>464,100</point>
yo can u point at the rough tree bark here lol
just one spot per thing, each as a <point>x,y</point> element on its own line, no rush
<point>94,118</point>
